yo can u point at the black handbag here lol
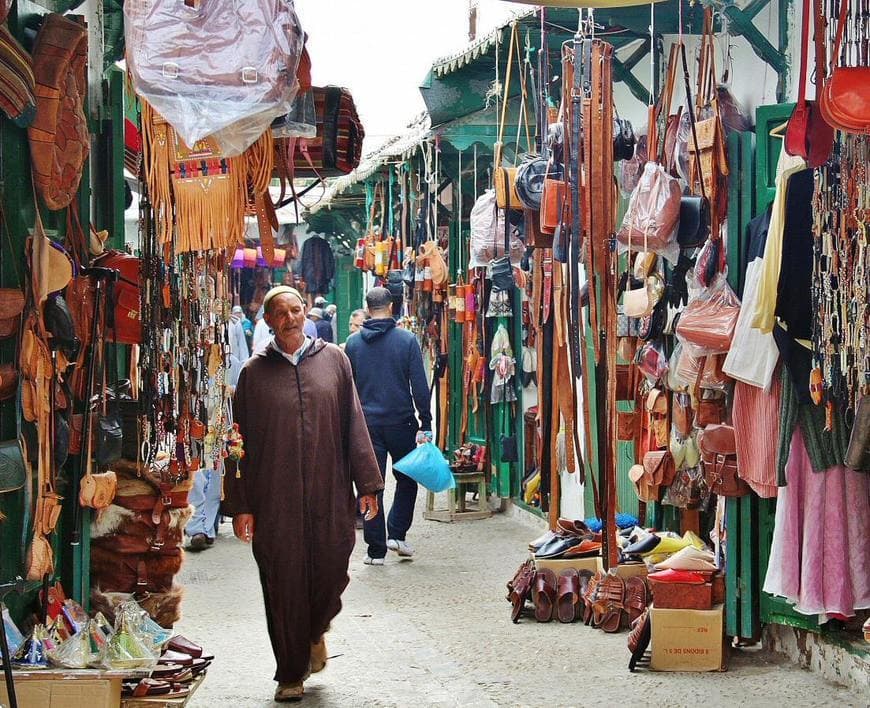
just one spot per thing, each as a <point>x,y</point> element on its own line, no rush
<point>508,448</point>
<point>59,323</point>
<point>694,221</point>
<point>623,139</point>
<point>110,438</point>
<point>530,182</point>
<point>653,325</point>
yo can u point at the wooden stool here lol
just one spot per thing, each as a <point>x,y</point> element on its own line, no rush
<point>456,506</point>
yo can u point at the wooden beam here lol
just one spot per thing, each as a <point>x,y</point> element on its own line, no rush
<point>623,73</point>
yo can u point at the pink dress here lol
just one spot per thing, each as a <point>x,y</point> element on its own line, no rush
<point>820,557</point>
<point>756,433</point>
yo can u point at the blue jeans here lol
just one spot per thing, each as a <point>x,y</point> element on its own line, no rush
<point>206,498</point>
<point>395,441</point>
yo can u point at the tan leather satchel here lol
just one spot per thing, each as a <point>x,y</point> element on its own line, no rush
<point>11,307</point>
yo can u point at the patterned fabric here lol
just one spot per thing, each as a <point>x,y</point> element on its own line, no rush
<point>338,146</point>
<point>17,86</point>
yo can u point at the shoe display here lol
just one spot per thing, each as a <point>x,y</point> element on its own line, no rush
<point>403,548</point>
<point>678,576</point>
<point>558,546</point>
<point>689,558</point>
<point>373,561</point>
<point>545,537</point>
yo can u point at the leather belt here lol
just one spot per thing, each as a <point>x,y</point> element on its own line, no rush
<point>547,294</point>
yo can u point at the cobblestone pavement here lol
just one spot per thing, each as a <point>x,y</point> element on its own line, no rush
<point>435,631</point>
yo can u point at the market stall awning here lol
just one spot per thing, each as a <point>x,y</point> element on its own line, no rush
<point>458,84</point>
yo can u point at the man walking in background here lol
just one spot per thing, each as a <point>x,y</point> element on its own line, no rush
<point>388,370</point>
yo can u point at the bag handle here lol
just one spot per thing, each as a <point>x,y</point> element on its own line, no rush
<point>838,42</point>
<point>805,33</point>
<point>692,119</point>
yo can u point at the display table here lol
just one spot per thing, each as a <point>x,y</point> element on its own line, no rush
<point>161,701</point>
<point>457,509</point>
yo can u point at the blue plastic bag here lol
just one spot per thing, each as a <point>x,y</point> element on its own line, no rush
<point>427,466</point>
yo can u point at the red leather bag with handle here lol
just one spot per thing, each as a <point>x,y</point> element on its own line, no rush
<point>808,135</point>
<point>844,99</point>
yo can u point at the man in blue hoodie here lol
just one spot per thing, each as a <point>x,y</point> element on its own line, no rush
<point>391,382</point>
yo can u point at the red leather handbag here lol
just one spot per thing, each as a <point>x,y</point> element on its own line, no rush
<point>128,316</point>
<point>844,99</point>
<point>808,135</point>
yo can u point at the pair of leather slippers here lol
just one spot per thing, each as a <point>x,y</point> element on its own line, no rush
<point>556,597</point>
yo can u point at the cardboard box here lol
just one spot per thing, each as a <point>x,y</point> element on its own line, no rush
<point>631,570</point>
<point>59,691</point>
<point>559,564</point>
<point>688,640</point>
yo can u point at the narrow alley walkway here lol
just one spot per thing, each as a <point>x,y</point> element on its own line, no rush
<point>436,631</point>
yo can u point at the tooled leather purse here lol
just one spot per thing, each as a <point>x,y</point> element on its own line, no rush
<point>719,458</point>
<point>59,139</point>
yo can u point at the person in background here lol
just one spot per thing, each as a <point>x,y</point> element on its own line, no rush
<point>239,351</point>
<point>306,448</point>
<point>330,313</point>
<point>205,497</point>
<point>324,330</point>
<point>356,320</point>
<point>247,325</point>
<point>391,381</point>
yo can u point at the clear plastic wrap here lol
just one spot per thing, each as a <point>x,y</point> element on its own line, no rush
<point>651,360</point>
<point>629,171</point>
<point>487,233</point>
<point>14,637</point>
<point>140,623</point>
<point>224,67</point>
<point>300,121</point>
<point>80,650</point>
<point>33,652</point>
<point>126,650</point>
<point>653,215</point>
<point>707,324</point>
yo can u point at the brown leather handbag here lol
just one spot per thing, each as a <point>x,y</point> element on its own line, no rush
<point>11,307</point>
<point>551,205</point>
<point>719,458</point>
<point>844,99</point>
<point>657,471</point>
<point>59,139</point>
<point>8,381</point>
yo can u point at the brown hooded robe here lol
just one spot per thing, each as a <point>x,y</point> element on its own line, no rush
<point>306,446</point>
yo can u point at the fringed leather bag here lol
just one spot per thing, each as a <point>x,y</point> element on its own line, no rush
<point>206,192</point>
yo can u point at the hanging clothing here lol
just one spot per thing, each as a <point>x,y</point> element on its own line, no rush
<point>820,558</point>
<point>238,351</point>
<point>306,447</point>
<point>753,353</point>
<point>318,265</point>
<point>765,306</point>
<point>756,435</point>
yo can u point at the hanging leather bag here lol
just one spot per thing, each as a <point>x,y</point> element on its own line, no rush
<point>844,100</point>
<point>808,134</point>
<point>11,307</point>
<point>719,458</point>
<point>125,296</point>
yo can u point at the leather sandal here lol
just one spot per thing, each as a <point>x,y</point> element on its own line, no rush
<point>609,603</point>
<point>545,594</point>
<point>154,687</point>
<point>175,657</point>
<point>568,596</point>
<point>589,596</point>
<point>521,588</point>
<point>636,597</point>
<point>185,646</point>
<point>638,639</point>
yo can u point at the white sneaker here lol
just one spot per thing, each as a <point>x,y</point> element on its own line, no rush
<point>373,561</point>
<point>403,548</point>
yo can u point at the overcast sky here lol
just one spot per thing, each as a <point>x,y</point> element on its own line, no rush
<point>382,49</point>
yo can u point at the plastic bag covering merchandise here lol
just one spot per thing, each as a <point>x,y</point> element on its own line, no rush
<point>487,233</point>
<point>152,634</point>
<point>14,637</point>
<point>708,322</point>
<point>80,650</point>
<point>125,650</point>
<point>653,213</point>
<point>221,66</point>
<point>427,466</point>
